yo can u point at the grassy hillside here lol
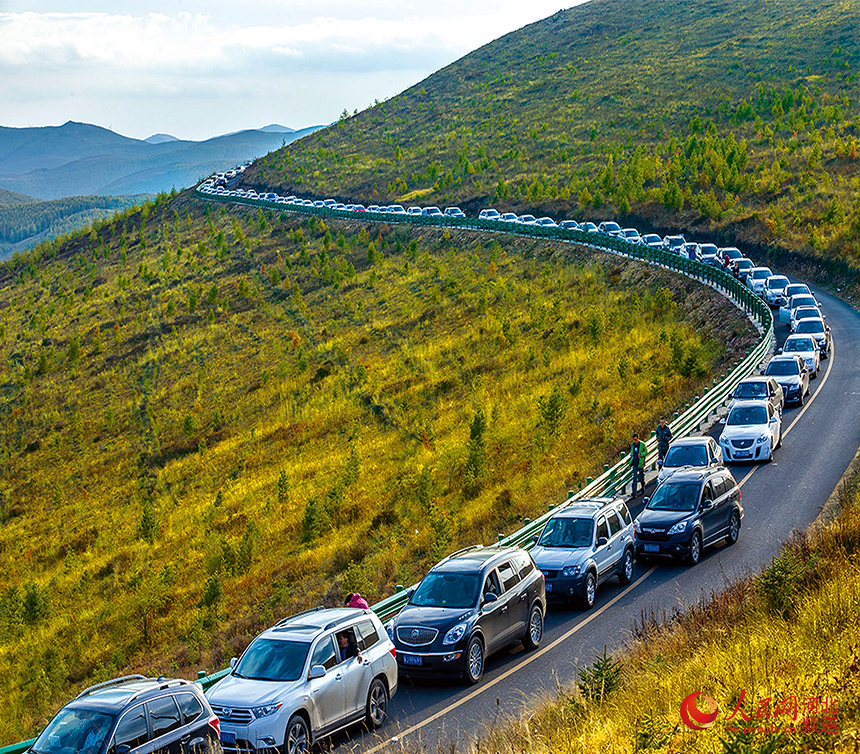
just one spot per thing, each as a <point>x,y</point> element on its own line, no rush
<point>738,118</point>
<point>211,417</point>
<point>783,644</point>
<point>10,197</point>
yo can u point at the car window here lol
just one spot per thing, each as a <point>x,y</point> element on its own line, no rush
<point>349,649</point>
<point>614,524</point>
<point>131,730</point>
<point>602,530</point>
<point>164,716</point>
<point>508,575</point>
<point>324,653</point>
<point>708,492</point>
<point>190,707</point>
<point>625,514</point>
<point>731,484</point>
<point>491,585</point>
<point>368,634</point>
<point>720,488</point>
<point>524,564</point>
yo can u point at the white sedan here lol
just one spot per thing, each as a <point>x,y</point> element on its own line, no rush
<point>753,430</point>
<point>774,289</point>
<point>806,347</point>
<point>757,278</point>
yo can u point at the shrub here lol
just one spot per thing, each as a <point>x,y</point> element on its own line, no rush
<point>315,520</point>
<point>283,487</point>
<point>148,527</point>
<point>476,461</point>
<point>553,410</point>
<point>600,680</point>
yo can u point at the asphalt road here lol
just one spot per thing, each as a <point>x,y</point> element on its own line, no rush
<point>821,438</point>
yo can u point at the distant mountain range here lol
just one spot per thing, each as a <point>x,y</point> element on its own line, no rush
<point>78,159</point>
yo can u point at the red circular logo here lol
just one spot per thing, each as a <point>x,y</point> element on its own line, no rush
<point>693,717</point>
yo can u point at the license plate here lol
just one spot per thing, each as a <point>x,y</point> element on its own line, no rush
<point>549,587</point>
<point>743,453</point>
<point>651,548</point>
<point>228,737</point>
<point>411,659</point>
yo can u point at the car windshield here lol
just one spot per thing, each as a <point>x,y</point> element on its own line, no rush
<point>273,660</point>
<point>806,312</point>
<point>686,455</point>
<point>798,301</point>
<point>447,590</point>
<point>744,264</point>
<point>799,345</point>
<point>683,496</point>
<point>708,248</point>
<point>751,390</point>
<point>611,226</point>
<point>74,730</point>
<point>567,532</point>
<point>777,282</point>
<point>810,326</point>
<point>758,274</point>
<point>782,368</point>
<point>796,288</point>
<point>745,415</point>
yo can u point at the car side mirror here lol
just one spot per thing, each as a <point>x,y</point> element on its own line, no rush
<point>645,501</point>
<point>121,749</point>
<point>779,350</point>
<point>535,538</point>
<point>723,420</point>
<point>602,541</point>
<point>707,504</point>
<point>773,420</point>
<point>489,598</point>
<point>410,592</point>
<point>233,662</point>
<point>317,671</point>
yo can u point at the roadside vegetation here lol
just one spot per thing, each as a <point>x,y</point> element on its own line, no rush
<point>784,644</point>
<point>734,120</point>
<point>212,417</point>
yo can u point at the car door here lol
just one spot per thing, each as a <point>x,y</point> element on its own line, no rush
<point>517,598</point>
<point>327,693</point>
<point>164,722</point>
<point>494,615</point>
<point>602,553</point>
<point>617,537</point>
<point>356,676</point>
<point>132,731</point>
<point>711,512</point>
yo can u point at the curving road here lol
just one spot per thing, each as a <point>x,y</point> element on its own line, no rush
<point>821,438</point>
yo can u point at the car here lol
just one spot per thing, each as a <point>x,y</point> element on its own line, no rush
<point>396,209</point>
<point>431,212</point>
<point>329,202</point>
<point>752,431</point>
<point>569,224</point>
<point>675,244</point>
<point>306,677</point>
<point>339,206</point>
<point>454,212</point>
<point>610,227</point>
<point>508,217</point>
<point>690,451</point>
<point>546,222</point>
<point>795,289</point>
<point>759,388</point>
<point>728,255</point>
<point>709,254</point>
<point>691,250</point>
<point>792,374</point>
<point>489,214</point>
<point>742,267</point>
<point>318,203</point>
<point>806,347</point>
<point>631,234</point>
<point>804,312</point>
<point>817,328</point>
<point>469,605</point>
<point>691,510</point>
<point>774,289</point>
<point>526,220</point>
<point>413,211</point>
<point>583,545</point>
<point>757,278</point>
<point>652,240</point>
<point>133,713</point>
<point>786,311</point>
<point>589,227</point>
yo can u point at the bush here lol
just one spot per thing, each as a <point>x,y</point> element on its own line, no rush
<point>476,461</point>
<point>553,410</point>
<point>600,680</point>
<point>315,520</point>
<point>148,527</point>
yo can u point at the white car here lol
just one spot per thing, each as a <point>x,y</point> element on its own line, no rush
<point>757,278</point>
<point>774,289</point>
<point>632,235</point>
<point>806,347</point>
<point>675,244</point>
<point>753,430</point>
<point>801,313</point>
<point>508,217</point>
<point>526,220</point>
<point>489,214</point>
<point>610,227</point>
<point>709,253</point>
<point>798,299</point>
<point>690,451</point>
<point>305,678</point>
<point>652,241</point>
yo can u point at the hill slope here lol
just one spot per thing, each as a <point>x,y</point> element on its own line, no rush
<point>736,116</point>
<point>10,197</point>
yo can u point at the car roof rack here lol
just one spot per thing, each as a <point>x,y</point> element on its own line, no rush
<point>163,683</point>
<point>112,682</point>
<point>289,618</point>
<point>338,621</point>
<point>459,552</point>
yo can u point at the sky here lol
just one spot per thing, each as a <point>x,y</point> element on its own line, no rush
<point>214,66</point>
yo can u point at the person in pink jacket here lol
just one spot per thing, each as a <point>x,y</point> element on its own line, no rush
<point>356,600</point>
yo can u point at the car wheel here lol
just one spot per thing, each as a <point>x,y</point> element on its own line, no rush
<point>376,709</point>
<point>474,661</point>
<point>589,590</point>
<point>779,440</point>
<point>695,549</point>
<point>298,738</point>
<point>734,528</point>
<point>625,575</point>
<point>534,630</point>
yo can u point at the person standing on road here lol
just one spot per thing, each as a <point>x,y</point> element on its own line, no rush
<point>637,462</point>
<point>664,437</point>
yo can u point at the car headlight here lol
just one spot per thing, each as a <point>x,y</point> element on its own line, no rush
<point>762,439</point>
<point>678,528</point>
<point>266,710</point>
<point>637,527</point>
<point>455,634</point>
<point>570,571</point>
<point>389,629</point>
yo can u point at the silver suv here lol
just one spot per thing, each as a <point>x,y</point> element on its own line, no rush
<point>305,678</point>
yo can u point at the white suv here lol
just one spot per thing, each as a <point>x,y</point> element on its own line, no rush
<point>305,678</point>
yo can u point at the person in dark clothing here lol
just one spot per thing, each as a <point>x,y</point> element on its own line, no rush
<point>664,437</point>
<point>638,451</point>
<point>347,645</point>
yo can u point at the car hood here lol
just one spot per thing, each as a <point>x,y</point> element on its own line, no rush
<point>805,355</point>
<point>787,379</point>
<point>742,431</point>
<point>440,618</point>
<point>232,691</point>
<point>662,519</point>
<point>667,471</point>
<point>553,558</point>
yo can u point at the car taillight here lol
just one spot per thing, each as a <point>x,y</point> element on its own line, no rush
<point>393,651</point>
<point>215,724</point>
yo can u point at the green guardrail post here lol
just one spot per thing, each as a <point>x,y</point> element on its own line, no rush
<point>570,494</point>
<point>398,588</point>
<point>589,479</point>
<point>501,537</point>
<point>675,415</point>
<point>201,674</point>
<point>526,521</point>
<point>552,506</point>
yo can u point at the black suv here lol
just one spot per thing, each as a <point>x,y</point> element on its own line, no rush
<point>690,510</point>
<point>469,605</point>
<point>134,714</point>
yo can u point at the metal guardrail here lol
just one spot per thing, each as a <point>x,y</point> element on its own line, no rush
<point>613,479</point>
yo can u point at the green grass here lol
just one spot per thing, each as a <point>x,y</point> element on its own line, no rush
<point>735,120</point>
<point>212,417</point>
